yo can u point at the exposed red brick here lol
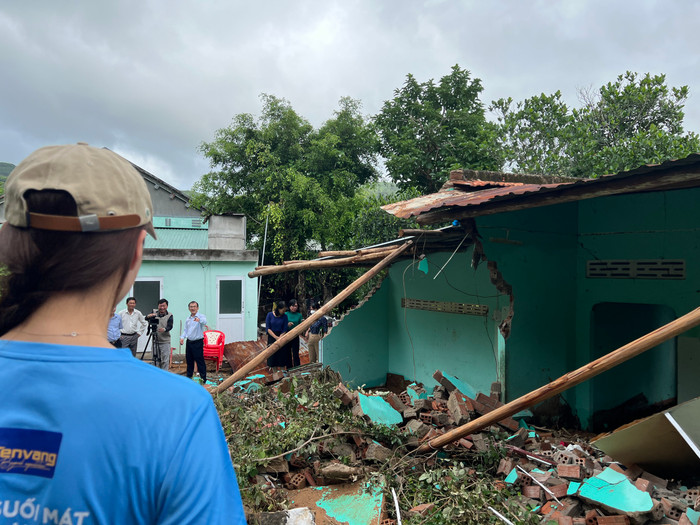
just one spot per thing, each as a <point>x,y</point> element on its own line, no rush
<point>569,471</point>
<point>559,491</point>
<point>532,491</point>
<point>613,520</point>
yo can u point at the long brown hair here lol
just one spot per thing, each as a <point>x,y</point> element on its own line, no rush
<point>39,263</point>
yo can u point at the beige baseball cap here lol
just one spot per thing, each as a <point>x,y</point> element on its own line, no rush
<point>108,191</point>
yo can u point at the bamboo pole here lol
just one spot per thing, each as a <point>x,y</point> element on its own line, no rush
<point>569,380</point>
<point>338,253</point>
<point>379,249</point>
<point>301,327</point>
<point>312,265</point>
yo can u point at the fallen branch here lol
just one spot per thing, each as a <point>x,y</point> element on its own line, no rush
<point>312,438</point>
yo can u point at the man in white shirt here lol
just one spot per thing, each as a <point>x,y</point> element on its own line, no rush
<point>194,334</point>
<point>133,325</point>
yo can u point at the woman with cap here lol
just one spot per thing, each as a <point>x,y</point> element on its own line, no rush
<point>86,426</point>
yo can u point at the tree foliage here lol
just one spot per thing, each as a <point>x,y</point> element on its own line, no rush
<point>277,169</point>
<point>429,128</point>
<point>623,125</point>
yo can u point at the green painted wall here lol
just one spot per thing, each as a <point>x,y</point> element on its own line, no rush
<point>535,250</point>
<point>422,342</point>
<point>382,337</point>
<point>656,225</point>
<point>357,347</point>
<point>184,281</point>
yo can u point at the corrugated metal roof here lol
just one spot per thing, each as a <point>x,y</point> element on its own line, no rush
<point>178,239</point>
<point>682,173</point>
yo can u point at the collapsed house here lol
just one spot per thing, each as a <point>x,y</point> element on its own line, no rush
<point>538,279</point>
<point>533,279</point>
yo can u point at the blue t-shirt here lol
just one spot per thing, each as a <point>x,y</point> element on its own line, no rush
<point>92,435</point>
<point>276,324</point>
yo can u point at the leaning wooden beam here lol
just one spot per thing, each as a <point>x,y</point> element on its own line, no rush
<point>301,328</point>
<point>569,380</point>
<point>379,249</point>
<point>312,265</point>
<point>338,253</point>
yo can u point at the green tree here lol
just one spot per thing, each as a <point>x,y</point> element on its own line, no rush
<point>429,128</point>
<point>624,124</point>
<point>278,169</point>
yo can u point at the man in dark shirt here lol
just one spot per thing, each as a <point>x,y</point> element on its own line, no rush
<point>315,333</point>
<point>162,334</point>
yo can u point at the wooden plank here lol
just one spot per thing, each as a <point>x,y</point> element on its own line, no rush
<point>608,361</point>
<point>301,327</point>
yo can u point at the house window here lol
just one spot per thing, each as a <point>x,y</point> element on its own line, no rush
<point>168,221</point>
<point>196,223</point>
<point>230,296</point>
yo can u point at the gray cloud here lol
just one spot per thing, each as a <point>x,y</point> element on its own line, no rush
<point>153,79</point>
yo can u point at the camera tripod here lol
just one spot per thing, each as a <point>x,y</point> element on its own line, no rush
<point>156,358</point>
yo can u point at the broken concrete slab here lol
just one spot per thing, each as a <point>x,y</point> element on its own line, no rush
<point>615,493</point>
<point>452,383</point>
<point>378,410</point>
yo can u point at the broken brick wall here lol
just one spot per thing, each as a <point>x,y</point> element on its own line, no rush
<point>535,251</point>
<point>465,345</point>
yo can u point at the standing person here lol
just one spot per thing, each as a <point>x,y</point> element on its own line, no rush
<point>276,324</point>
<point>133,325</point>
<point>291,349</point>
<point>83,433</point>
<point>315,333</point>
<point>114,329</point>
<point>162,333</point>
<point>194,334</point>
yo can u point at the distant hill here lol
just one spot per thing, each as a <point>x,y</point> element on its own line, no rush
<point>5,169</point>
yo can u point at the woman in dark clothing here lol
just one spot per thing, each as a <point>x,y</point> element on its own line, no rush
<point>291,349</point>
<point>276,324</point>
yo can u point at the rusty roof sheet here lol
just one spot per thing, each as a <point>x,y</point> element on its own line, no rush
<point>462,194</point>
<point>484,183</point>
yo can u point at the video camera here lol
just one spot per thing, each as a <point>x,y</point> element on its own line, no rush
<point>153,322</point>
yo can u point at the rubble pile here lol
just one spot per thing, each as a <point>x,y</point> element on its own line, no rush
<point>528,475</point>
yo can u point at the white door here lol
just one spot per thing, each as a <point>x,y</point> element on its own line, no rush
<point>229,307</point>
<point>147,290</point>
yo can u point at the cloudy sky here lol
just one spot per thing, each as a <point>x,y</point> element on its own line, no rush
<point>152,79</point>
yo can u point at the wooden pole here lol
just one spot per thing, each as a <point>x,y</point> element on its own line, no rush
<point>338,253</point>
<point>569,380</point>
<point>313,265</point>
<point>301,328</point>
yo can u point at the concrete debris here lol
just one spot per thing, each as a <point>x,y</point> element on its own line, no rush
<point>561,478</point>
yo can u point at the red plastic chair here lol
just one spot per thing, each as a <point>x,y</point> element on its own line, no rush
<point>214,346</point>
